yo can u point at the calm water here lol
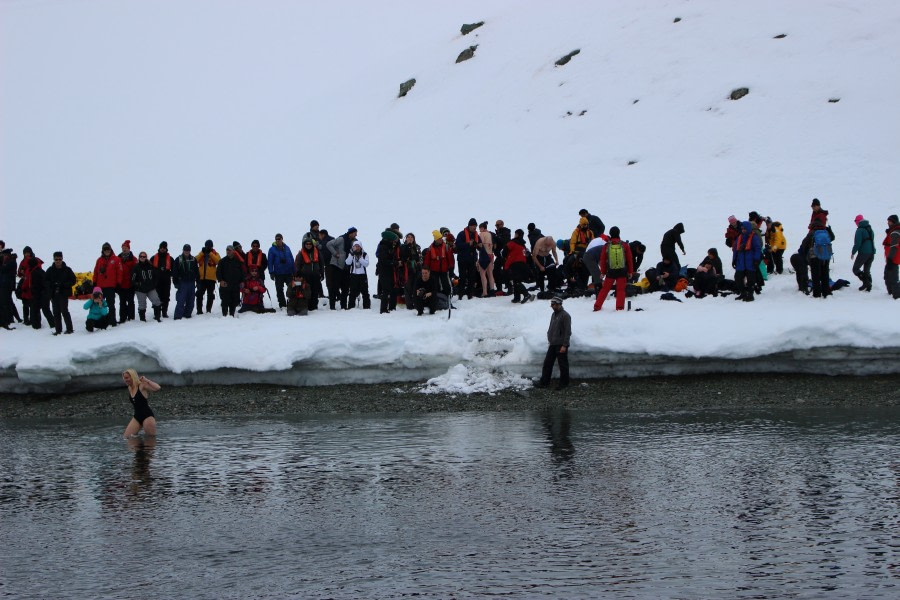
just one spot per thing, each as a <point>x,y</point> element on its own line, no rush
<point>557,504</point>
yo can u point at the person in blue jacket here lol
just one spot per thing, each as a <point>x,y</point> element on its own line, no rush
<point>281,267</point>
<point>98,311</point>
<point>185,275</point>
<point>747,252</point>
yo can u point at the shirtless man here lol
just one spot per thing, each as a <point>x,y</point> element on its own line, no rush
<point>540,254</point>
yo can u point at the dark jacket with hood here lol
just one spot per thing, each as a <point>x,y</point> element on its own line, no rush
<point>673,237</point>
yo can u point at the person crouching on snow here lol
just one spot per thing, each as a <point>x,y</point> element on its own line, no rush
<point>298,297</point>
<point>252,292</point>
<point>98,311</point>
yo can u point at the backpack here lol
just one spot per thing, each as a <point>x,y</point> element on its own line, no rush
<point>822,245</point>
<point>616,256</point>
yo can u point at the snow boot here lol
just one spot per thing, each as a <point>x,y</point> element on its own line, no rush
<point>165,310</point>
<point>156,313</point>
<point>143,315</point>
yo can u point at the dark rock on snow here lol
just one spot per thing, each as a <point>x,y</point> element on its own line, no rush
<point>565,59</point>
<point>467,53</point>
<point>468,28</point>
<point>406,86</point>
<point>739,93</point>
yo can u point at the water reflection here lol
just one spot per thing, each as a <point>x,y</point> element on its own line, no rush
<point>559,503</point>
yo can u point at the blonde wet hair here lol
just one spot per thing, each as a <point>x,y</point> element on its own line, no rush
<point>135,380</point>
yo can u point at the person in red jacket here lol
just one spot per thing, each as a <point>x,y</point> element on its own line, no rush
<point>34,298</point>
<point>517,268</point>
<point>438,257</point>
<point>617,265</point>
<point>107,274</point>
<point>891,245</point>
<point>126,290</point>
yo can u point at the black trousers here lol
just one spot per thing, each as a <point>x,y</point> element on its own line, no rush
<point>801,270</point>
<point>231,298</point>
<point>359,285</point>
<point>60,304</point>
<point>386,295</point>
<point>468,275</point>
<point>40,304</point>
<point>820,274</point>
<point>778,260</point>
<point>554,355</point>
<point>208,287</point>
<point>109,294</point>
<point>126,304</point>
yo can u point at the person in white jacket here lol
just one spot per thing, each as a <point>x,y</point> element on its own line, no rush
<point>357,261</point>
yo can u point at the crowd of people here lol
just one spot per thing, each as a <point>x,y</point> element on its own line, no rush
<point>477,262</point>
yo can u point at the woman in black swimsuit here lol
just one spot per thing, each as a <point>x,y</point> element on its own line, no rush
<point>139,389</point>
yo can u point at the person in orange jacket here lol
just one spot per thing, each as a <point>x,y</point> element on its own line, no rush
<point>207,260</point>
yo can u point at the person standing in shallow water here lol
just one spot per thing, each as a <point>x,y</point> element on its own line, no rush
<point>558,335</point>
<point>139,388</point>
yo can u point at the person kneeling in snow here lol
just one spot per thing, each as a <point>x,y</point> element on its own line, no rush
<point>427,292</point>
<point>252,292</point>
<point>298,297</point>
<point>708,274</point>
<point>98,311</point>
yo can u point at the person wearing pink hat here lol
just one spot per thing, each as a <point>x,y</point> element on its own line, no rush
<point>733,230</point>
<point>864,250</point>
<point>98,311</point>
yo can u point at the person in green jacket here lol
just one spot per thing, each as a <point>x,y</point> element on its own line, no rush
<point>864,250</point>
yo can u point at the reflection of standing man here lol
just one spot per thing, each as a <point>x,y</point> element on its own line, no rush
<point>558,335</point>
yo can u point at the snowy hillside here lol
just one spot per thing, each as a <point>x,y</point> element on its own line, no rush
<point>187,120</point>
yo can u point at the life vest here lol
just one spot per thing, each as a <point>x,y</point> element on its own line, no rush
<point>255,262</point>
<point>305,257</point>
<point>168,262</point>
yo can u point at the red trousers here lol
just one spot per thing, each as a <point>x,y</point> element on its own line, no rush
<point>620,282</point>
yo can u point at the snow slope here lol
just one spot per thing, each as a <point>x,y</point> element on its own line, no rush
<point>230,120</point>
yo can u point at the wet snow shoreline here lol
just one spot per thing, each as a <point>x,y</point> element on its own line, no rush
<point>735,391</point>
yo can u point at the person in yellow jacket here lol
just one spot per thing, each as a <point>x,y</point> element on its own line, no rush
<point>581,237</point>
<point>777,243</point>
<point>207,260</point>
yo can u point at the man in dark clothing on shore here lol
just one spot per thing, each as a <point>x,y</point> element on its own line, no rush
<point>558,336</point>
<point>162,262</point>
<point>467,243</point>
<point>230,275</point>
<point>60,279</point>
<point>891,245</point>
<point>534,234</point>
<point>667,247</point>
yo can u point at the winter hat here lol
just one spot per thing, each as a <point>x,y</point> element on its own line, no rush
<point>352,230</point>
<point>437,235</point>
<point>472,221</point>
<point>815,202</point>
<point>313,223</point>
<point>556,300</point>
<point>186,247</point>
<point>614,232</point>
<point>713,251</point>
<point>57,254</point>
<point>394,226</point>
<point>754,216</point>
<point>389,236</point>
<point>582,221</point>
<point>106,246</point>
<point>732,219</point>
<point>163,245</point>
<point>126,244</point>
<point>530,227</point>
<point>858,219</point>
<point>97,290</point>
<point>236,244</point>
<point>208,244</point>
<point>28,250</point>
<point>893,219</point>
